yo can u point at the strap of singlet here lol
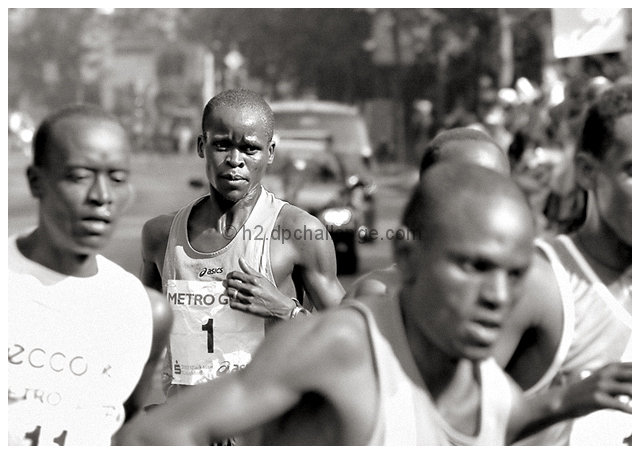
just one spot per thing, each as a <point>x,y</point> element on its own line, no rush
<point>616,307</point>
<point>496,401</point>
<point>175,232</point>
<point>568,313</point>
<point>377,435</point>
<point>266,211</point>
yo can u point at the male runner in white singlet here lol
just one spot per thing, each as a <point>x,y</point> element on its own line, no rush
<point>217,259</point>
<point>463,145</point>
<point>560,332</point>
<point>84,337</point>
<point>414,368</point>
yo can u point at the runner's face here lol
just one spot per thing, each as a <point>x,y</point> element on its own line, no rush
<point>469,272</point>
<point>84,187</point>
<point>237,148</point>
<point>612,188</point>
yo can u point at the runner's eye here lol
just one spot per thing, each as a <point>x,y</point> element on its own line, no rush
<point>78,175</point>
<point>250,149</point>
<point>472,265</point>
<point>119,176</point>
<point>517,273</point>
<point>221,145</point>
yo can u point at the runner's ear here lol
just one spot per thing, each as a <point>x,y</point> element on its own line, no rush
<point>405,249</point>
<point>201,144</point>
<point>34,180</point>
<point>585,169</point>
<point>271,150</point>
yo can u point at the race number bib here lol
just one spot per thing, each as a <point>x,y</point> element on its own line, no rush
<point>209,338</point>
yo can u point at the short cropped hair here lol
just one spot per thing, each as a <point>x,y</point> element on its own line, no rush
<point>432,153</point>
<point>598,130</point>
<point>44,134</point>
<point>241,98</point>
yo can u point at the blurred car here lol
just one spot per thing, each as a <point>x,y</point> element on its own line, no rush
<point>308,174</point>
<point>347,136</point>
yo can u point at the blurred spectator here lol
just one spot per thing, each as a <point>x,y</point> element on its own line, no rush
<point>565,208</point>
<point>532,169</point>
<point>183,136</point>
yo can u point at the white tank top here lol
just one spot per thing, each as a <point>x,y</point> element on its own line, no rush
<point>407,415</point>
<point>597,325</point>
<point>209,338</point>
<point>77,348</point>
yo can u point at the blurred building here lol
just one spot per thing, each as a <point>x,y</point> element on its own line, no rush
<point>158,89</point>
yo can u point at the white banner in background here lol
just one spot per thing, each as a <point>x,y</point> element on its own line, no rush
<point>587,31</point>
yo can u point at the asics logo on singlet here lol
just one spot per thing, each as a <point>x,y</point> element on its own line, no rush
<point>204,271</point>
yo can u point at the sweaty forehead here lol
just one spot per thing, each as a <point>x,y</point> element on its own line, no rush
<point>475,221</point>
<point>236,117</point>
<point>76,125</point>
<point>74,137</point>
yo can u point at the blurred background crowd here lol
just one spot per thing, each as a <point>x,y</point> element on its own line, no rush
<point>523,75</point>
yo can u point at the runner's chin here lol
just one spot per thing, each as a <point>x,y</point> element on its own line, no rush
<point>91,238</point>
<point>478,342</point>
<point>233,190</point>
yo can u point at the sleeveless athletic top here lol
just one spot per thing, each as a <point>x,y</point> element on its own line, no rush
<point>597,325</point>
<point>77,348</point>
<point>209,338</point>
<point>407,415</point>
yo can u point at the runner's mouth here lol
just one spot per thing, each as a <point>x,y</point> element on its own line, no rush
<point>233,177</point>
<point>96,225</point>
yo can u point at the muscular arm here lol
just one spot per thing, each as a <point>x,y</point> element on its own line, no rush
<point>375,283</point>
<point>316,259</point>
<point>601,390</point>
<point>297,258</point>
<point>162,320</point>
<point>155,234</point>
<point>334,366</point>
<point>532,332</point>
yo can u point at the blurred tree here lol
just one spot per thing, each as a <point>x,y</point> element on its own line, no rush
<point>455,47</point>
<point>352,55</point>
<point>305,50</point>
<point>44,50</point>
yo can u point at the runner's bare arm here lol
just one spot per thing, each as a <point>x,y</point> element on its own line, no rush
<point>374,283</point>
<point>312,253</point>
<point>155,234</point>
<point>316,258</point>
<point>336,365</point>
<point>533,330</point>
<point>162,320</point>
<point>601,390</point>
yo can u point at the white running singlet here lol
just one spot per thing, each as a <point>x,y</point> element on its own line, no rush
<point>209,338</point>
<point>77,348</point>
<point>407,415</point>
<point>597,329</point>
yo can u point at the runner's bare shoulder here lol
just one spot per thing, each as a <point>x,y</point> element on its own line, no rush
<point>155,233</point>
<point>292,217</point>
